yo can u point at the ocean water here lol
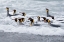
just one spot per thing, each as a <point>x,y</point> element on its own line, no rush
<point>32,8</point>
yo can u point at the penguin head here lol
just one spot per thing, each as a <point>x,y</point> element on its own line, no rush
<point>52,17</point>
<point>23,13</point>
<point>14,11</point>
<point>47,10</point>
<point>32,20</point>
<point>44,18</point>
<point>38,16</point>
<point>7,8</point>
<point>20,20</point>
<point>23,19</point>
<point>15,19</point>
<point>47,20</point>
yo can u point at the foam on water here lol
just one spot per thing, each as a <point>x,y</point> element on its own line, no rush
<point>32,8</point>
<point>9,25</point>
<point>33,30</point>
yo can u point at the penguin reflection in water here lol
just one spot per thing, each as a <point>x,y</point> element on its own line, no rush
<point>32,21</point>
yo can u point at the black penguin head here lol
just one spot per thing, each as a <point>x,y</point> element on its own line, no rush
<point>44,18</point>
<point>52,17</point>
<point>14,11</point>
<point>15,19</point>
<point>23,13</point>
<point>7,8</point>
<point>47,20</point>
<point>23,19</point>
<point>47,10</point>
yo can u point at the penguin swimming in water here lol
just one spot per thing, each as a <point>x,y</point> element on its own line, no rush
<point>44,19</point>
<point>23,14</point>
<point>32,21</point>
<point>14,12</point>
<point>38,18</point>
<point>52,24</point>
<point>20,21</point>
<point>7,11</point>
<point>48,15</point>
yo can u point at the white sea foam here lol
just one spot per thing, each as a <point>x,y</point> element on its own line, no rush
<point>44,29</point>
<point>32,8</point>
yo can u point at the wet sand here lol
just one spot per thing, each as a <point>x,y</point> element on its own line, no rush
<point>21,37</point>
